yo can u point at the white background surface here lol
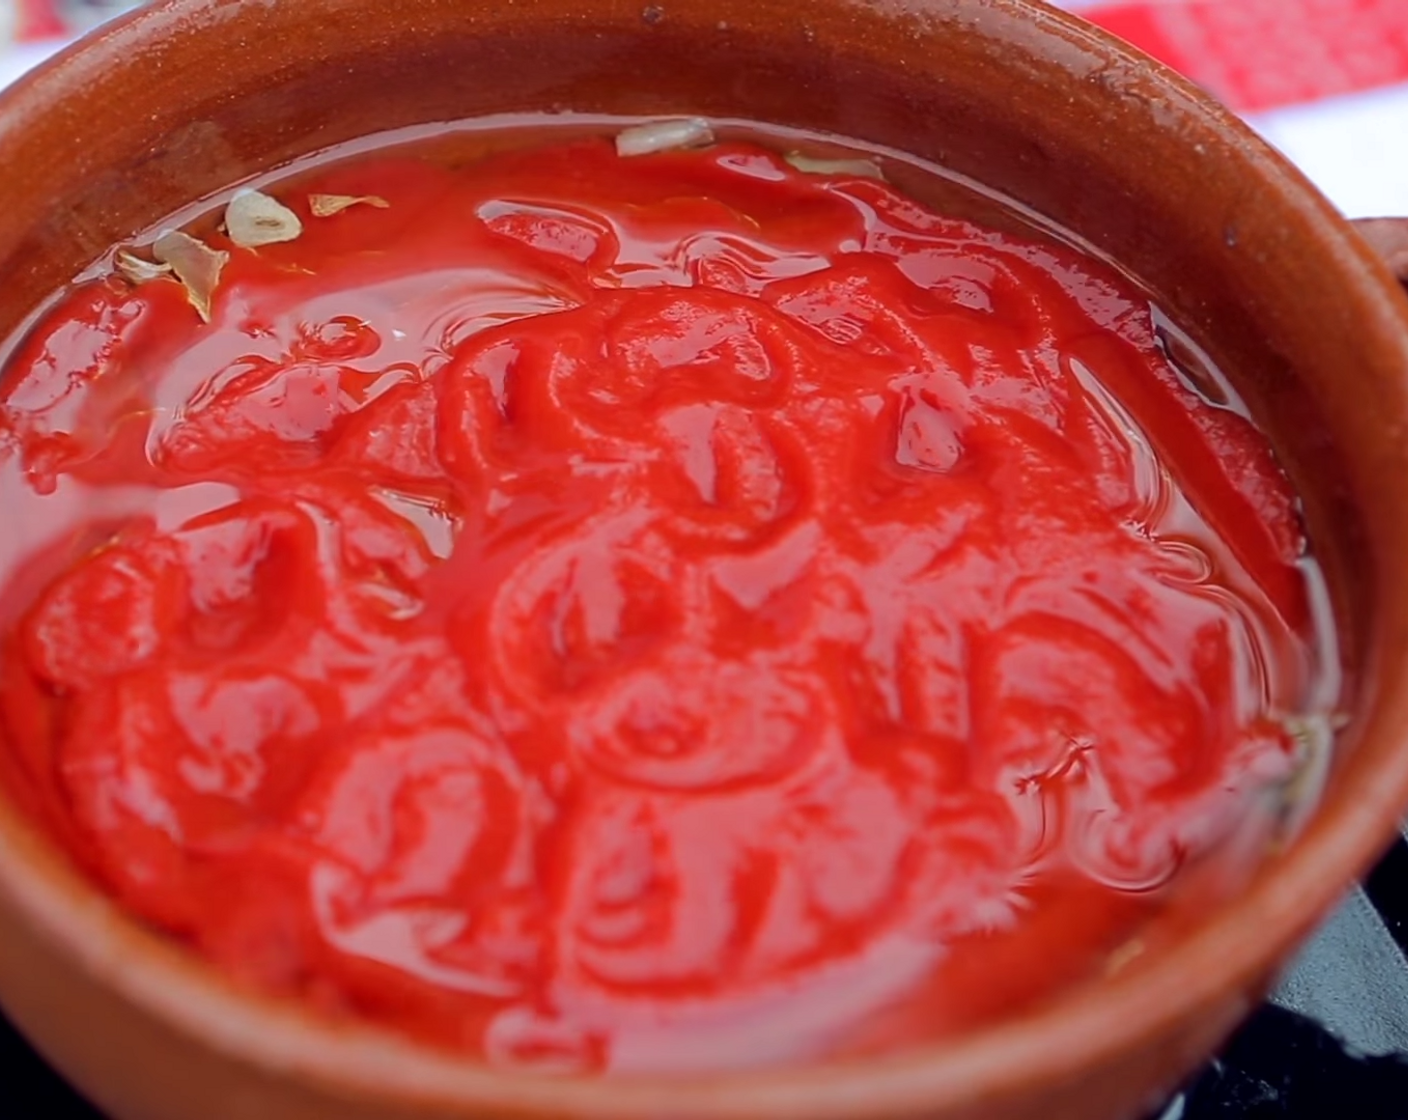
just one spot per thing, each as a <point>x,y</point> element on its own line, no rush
<point>1354,148</point>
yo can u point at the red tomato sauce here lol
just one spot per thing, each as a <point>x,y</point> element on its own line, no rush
<point>641,613</point>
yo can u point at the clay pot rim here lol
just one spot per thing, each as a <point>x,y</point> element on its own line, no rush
<point>1050,1045</point>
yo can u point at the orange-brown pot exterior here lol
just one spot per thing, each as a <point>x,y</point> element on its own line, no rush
<point>192,95</point>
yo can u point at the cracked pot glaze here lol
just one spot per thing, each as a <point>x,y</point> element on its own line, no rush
<point>186,98</point>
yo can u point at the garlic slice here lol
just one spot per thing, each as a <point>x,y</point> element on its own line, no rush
<point>253,219</point>
<point>1314,736</point>
<point>136,270</point>
<point>328,205</point>
<point>663,136</point>
<point>861,168</point>
<point>196,265</point>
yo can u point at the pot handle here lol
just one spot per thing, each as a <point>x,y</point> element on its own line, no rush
<point>1389,238</point>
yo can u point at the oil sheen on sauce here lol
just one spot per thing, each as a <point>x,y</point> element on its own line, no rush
<point>654,613</point>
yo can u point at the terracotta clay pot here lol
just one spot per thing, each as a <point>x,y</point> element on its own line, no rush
<point>192,95</point>
<point>1389,238</point>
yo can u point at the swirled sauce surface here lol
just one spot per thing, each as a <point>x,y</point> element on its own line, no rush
<point>648,613</point>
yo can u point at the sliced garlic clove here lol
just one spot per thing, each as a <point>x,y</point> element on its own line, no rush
<point>860,168</point>
<point>196,265</point>
<point>328,205</point>
<point>253,219</point>
<point>664,136</point>
<point>136,270</point>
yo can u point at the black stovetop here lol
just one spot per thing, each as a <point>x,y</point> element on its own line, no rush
<point>1332,1044</point>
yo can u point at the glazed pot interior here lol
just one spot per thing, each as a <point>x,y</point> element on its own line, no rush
<point>188,98</point>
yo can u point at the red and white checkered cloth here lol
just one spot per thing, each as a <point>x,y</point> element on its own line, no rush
<point>1259,55</point>
<point>1325,80</point>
